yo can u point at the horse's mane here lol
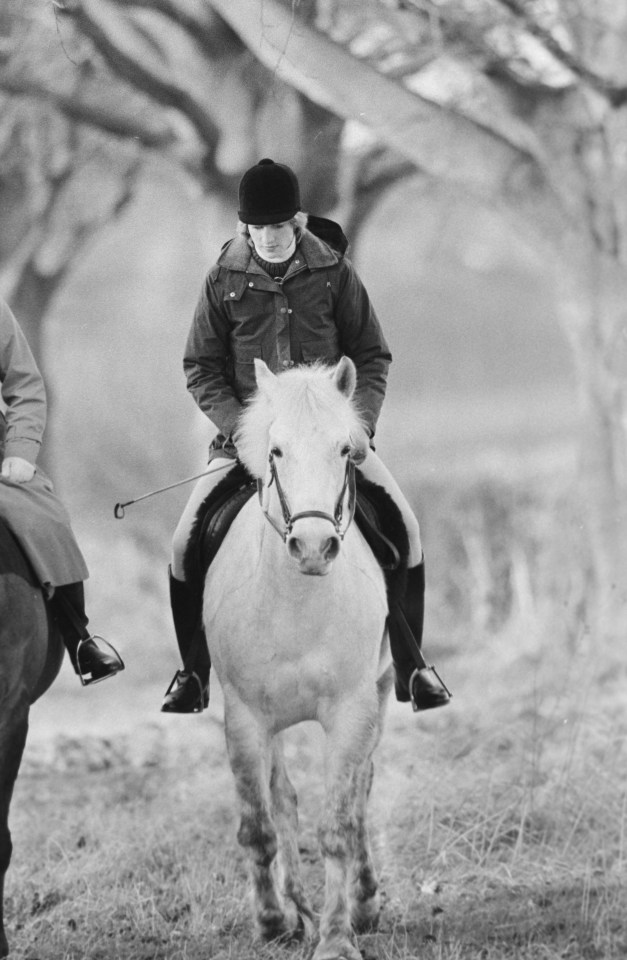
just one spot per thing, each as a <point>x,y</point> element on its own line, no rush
<point>305,397</point>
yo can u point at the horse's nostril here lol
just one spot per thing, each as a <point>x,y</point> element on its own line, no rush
<point>294,548</point>
<point>331,548</point>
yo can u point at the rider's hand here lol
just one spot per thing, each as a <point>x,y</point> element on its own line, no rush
<point>17,470</point>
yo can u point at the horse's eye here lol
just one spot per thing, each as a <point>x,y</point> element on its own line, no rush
<point>346,449</point>
<point>276,452</point>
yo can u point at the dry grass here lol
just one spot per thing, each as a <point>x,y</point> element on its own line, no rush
<point>499,825</point>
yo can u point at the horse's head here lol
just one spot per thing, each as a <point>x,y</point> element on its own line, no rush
<point>300,436</point>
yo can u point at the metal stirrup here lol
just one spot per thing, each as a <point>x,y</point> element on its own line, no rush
<point>81,674</point>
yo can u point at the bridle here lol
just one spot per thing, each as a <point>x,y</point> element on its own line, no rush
<point>290,518</point>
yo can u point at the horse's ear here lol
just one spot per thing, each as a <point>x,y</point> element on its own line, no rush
<point>345,376</point>
<point>264,376</point>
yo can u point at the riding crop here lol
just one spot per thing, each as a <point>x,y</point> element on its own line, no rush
<point>119,509</point>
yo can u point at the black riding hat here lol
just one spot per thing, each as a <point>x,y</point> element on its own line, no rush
<point>268,193</point>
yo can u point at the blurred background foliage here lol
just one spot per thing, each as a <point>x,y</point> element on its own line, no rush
<point>475,153</point>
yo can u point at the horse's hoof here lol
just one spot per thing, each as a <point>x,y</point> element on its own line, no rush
<point>345,951</point>
<point>363,925</point>
<point>273,926</point>
<point>365,916</point>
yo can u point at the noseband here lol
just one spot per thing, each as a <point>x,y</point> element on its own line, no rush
<point>290,518</point>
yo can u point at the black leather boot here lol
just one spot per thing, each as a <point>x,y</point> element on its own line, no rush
<point>415,680</point>
<point>89,661</point>
<point>189,689</point>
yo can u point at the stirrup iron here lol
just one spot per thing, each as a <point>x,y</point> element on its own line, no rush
<point>84,679</point>
<point>201,690</point>
<point>430,669</point>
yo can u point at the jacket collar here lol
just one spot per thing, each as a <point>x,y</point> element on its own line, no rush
<point>236,255</point>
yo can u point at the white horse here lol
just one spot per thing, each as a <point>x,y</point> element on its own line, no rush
<point>296,625</point>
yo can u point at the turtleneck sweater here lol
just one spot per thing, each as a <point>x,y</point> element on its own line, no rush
<point>275,270</point>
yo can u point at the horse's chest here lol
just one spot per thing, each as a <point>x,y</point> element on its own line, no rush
<point>286,652</point>
<point>287,642</point>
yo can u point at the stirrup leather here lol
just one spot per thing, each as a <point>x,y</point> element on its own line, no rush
<point>176,681</point>
<point>86,680</point>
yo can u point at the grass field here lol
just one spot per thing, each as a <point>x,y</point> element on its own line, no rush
<point>499,824</point>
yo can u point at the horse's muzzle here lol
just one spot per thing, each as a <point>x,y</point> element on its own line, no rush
<point>314,559</point>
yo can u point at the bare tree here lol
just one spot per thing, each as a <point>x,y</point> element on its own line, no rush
<point>92,91</point>
<point>520,103</point>
<point>59,180</point>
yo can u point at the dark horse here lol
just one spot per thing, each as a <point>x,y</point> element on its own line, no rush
<point>31,652</point>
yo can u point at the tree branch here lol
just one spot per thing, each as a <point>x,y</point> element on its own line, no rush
<point>615,94</point>
<point>112,40</point>
<point>92,114</point>
<point>441,138</point>
<point>60,250</point>
<point>199,20</point>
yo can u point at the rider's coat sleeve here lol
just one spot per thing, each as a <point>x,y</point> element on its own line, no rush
<point>206,361</point>
<point>22,389</point>
<point>363,341</point>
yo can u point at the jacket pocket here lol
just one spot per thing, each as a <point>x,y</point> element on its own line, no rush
<point>326,350</point>
<point>246,352</point>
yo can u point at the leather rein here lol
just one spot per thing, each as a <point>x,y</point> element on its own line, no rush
<point>289,518</point>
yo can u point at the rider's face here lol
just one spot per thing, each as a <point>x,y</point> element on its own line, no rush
<point>273,241</point>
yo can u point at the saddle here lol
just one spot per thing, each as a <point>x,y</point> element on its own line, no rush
<point>375,512</point>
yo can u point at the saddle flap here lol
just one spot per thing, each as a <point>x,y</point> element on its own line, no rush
<point>213,521</point>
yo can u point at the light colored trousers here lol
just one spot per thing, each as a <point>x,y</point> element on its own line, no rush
<point>372,468</point>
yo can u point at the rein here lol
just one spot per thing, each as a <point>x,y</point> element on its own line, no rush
<point>289,518</point>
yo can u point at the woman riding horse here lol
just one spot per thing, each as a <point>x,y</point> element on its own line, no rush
<point>282,294</point>
<point>34,513</point>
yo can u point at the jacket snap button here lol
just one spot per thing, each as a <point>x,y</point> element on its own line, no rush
<point>251,284</point>
<point>232,293</point>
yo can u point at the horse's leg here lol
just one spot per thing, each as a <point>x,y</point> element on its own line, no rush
<point>248,745</point>
<point>285,816</point>
<point>351,740</point>
<point>13,730</point>
<point>364,887</point>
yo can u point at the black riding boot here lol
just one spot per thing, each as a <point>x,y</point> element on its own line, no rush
<point>415,679</point>
<point>92,664</point>
<point>189,690</point>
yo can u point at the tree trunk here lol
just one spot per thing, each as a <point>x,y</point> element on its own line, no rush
<point>593,306</point>
<point>30,303</point>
